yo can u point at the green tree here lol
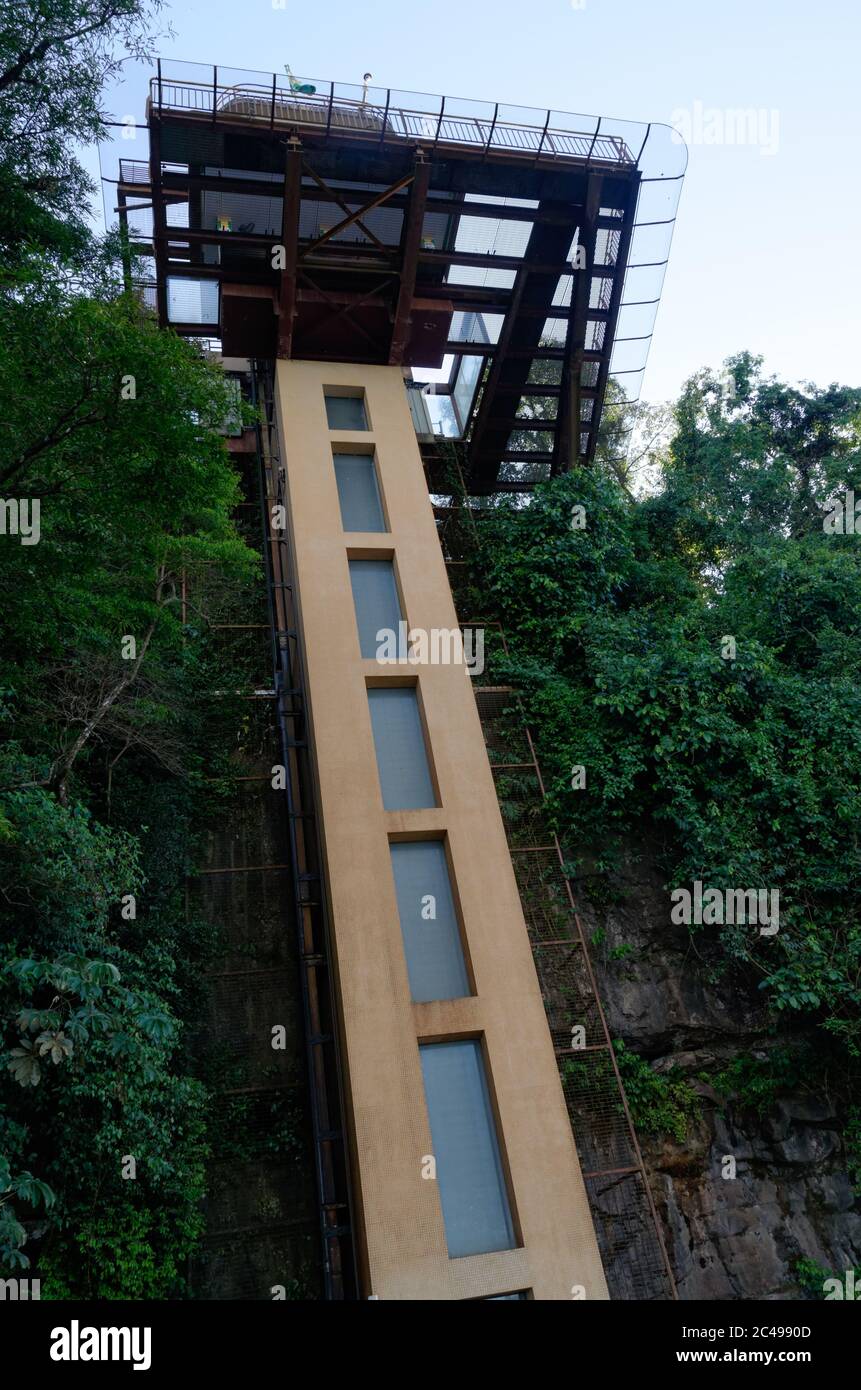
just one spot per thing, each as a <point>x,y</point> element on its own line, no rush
<point>109,659</point>
<point>116,442</point>
<point>55,58</point>
<point>119,445</point>
<point>742,772</point>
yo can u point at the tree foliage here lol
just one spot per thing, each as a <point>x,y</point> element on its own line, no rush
<point>55,58</point>
<point>136,493</point>
<point>746,771</point>
<point>108,657</point>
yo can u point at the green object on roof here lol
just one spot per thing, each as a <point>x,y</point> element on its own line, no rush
<point>305,88</point>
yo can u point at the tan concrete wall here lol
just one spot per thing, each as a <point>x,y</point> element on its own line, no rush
<point>402,1241</point>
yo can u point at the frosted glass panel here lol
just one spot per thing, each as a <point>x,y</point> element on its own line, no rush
<point>192,301</point>
<point>468,1166</point>
<point>358,493</point>
<point>346,412</point>
<point>401,758</point>
<point>376,598</point>
<point>432,946</point>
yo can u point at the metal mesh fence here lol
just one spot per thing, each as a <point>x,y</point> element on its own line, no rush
<point>596,1111</point>
<point>259,1261</point>
<point>626,1226</point>
<point>626,1237</point>
<point>262,1237</point>
<point>543,895</point>
<point>569,999</point>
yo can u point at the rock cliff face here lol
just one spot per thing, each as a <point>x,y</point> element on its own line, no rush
<point>791,1198</point>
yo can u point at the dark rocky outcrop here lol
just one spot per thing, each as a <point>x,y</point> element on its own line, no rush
<point>734,1237</point>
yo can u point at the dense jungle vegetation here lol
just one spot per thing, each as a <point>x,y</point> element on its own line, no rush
<point>106,658</point>
<point>695,649</point>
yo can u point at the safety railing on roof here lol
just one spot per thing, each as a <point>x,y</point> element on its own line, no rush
<point>326,107</point>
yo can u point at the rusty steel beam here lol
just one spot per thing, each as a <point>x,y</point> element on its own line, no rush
<point>500,351</point>
<point>410,258</point>
<point>357,215</point>
<point>449,205</point>
<point>627,232</point>
<point>332,196</point>
<point>566,448</point>
<point>290,244</point>
<point>159,218</point>
<point>341,310</point>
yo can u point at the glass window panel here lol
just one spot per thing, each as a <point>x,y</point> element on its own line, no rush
<point>358,493</point>
<point>480,275</point>
<point>405,778</point>
<point>346,412</point>
<point>466,386</point>
<point>375,596</point>
<point>475,327</point>
<point>468,1165</point>
<point>432,946</point>
<point>443,417</point>
<point>192,301</point>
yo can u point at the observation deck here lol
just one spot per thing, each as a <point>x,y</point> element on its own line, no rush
<point>510,260</point>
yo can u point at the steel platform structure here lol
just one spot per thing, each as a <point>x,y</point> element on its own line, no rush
<point>513,256</point>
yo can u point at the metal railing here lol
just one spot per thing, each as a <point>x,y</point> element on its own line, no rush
<point>134,171</point>
<point>274,104</point>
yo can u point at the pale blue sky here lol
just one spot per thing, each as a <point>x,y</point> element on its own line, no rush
<point>767,245</point>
